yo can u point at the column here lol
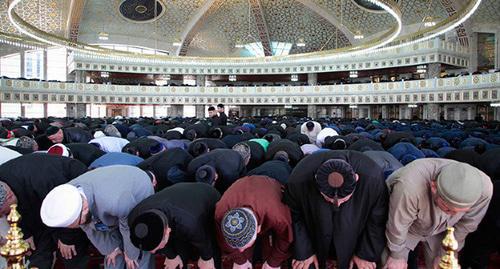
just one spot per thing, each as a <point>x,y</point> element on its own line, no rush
<point>311,111</point>
<point>154,111</point>
<point>200,111</point>
<point>401,112</point>
<point>175,111</point>
<point>45,64</point>
<point>45,110</point>
<point>433,70</point>
<point>79,76</point>
<point>200,80</point>
<point>312,79</point>
<point>141,109</point>
<point>471,112</point>
<point>76,110</point>
<point>473,52</point>
<point>431,111</point>
<point>23,111</point>
<point>23,64</point>
<point>385,112</point>
<point>496,113</point>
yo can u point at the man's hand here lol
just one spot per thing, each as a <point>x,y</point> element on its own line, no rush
<point>111,258</point>
<point>67,251</point>
<point>395,263</point>
<point>435,264</point>
<point>202,264</point>
<point>131,264</point>
<point>173,263</point>
<point>361,264</point>
<point>31,243</point>
<point>246,265</point>
<point>267,266</point>
<point>313,260</point>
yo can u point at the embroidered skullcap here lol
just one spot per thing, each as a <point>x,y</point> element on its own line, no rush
<point>239,227</point>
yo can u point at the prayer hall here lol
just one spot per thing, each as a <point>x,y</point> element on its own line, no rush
<point>249,134</point>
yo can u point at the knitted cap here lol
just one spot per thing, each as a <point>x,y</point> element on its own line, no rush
<point>459,184</point>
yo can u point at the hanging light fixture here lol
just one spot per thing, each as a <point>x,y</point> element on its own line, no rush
<point>232,78</point>
<point>353,74</point>
<point>429,21</point>
<point>295,77</point>
<point>412,105</point>
<point>421,69</point>
<point>104,74</point>
<point>353,106</point>
<point>358,35</point>
<point>103,36</point>
<point>301,43</point>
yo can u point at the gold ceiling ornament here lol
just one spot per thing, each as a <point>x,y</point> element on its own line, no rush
<point>16,248</point>
<point>450,246</point>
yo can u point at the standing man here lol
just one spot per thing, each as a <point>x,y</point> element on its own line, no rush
<point>26,181</point>
<point>99,202</point>
<point>178,222</point>
<point>338,201</point>
<point>212,117</point>
<point>427,196</point>
<point>251,209</point>
<point>222,115</point>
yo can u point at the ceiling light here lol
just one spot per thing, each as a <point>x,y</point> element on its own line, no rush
<point>495,104</point>
<point>177,44</point>
<point>295,77</point>
<point>103,36</point>
<point>353,106</point>
<point>412,105</point>
<point>429,21</point>
<point>358,35</point>
<point>353,74</point>
<point>421,69</point>
<point>232,78</point>
<point>104,74</point>
<point>239,46</point>
<point>301,43</point>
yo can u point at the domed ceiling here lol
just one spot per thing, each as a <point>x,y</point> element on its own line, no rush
<point>234,27</point>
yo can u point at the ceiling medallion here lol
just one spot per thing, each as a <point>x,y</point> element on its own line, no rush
<point>141,11</point>
<point>370,6</point>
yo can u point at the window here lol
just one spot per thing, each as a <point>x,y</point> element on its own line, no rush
<point>161,111</point>
<point>10,65</point>
<point>280,48</point>
<point>189,111</point>
<point>11,110</point>
<point>255,49</point>
<point>147,111</point>
<point>56,64</point>
<point>33,65</point>
<point>33,110</point>
<point>56,110</point>
<point>134,111</point>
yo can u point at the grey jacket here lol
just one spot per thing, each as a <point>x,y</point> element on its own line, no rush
<point>112,192</point>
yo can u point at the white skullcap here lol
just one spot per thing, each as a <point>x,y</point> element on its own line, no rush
<point>62,206</point>
<point>59,149</point>
<point>99,134</point>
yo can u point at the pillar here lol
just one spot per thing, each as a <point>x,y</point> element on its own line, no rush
<point>402,112</point>
<point>199,111</point>
<point>154,111</point>
<point>433,70</point>
<point>175,111</point>
<point>385,112</point>
<point>311,111</point>
<point>312,79</point>
<point>23,111</point>
<point>79,76</point>
<point>496,113</point>
<point>471,112</point>
<point>23,64</point>
<point>45,64</point>
<point>431,111</point>
<point>76,110</point>
<point>45,110</point>
<point>473,52</point>
<point>200,80</point>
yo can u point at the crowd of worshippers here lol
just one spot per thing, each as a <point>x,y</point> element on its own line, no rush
<point>271,192</point>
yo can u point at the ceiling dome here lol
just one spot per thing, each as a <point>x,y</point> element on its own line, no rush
<point>141,10</point>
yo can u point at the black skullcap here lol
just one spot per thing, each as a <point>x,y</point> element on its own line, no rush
<point>156,148</point>
<point>342,167</point>
<point>206,174</point>
<point>191,134</point>
<point>52,130</point>
<point>310,125</point>
<point>215,133</point>
<point>199,148</point>
<point>281,156</point>
<point>147,230</point>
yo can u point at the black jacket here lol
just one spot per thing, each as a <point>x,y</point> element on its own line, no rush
<point>161,163</point>
<point>195,149</point>
<point>357,228</point>
<point>76,135</point>
<point>276,169</point>
<point>222,119</point>
<point>189,208</point>
<point>85,153</point>
<point>31,177</point>
<point>295,154</point>
<point>227,162</point>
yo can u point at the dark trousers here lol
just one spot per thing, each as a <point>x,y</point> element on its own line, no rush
<point>188,253</point>
<point>46,244</point>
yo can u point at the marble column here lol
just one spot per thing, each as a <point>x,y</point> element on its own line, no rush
<point>471,112</point>
<point>385,112</point>
<point>199,111</point>
<point>45,64</point>
<point>433,70</point>
<point>311,111</point>
<point>76,110</point>
<point>175,111</point>
<point>431,111</point>
<point>201,80</point>
<point>473,62</point>
<point>23,65</point>
<point>46,110</point>
<point>312,79</point>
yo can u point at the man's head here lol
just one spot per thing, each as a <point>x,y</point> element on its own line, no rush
<point>457,188</point>
<point>220,108</point>
<point>212,112</point>
<point>206,174</point>
<point>244,150</point>
<point>150,231</point>
<point>27,143</point>
<point>55,134</point>
<point>240,228</point>
<point>7,198</point>
<point>310,126</point>
<point>281,156</point>
<point>336,180</point>
<point>64,207</point>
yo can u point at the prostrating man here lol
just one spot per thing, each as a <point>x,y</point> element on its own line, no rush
<point>251,208</point>
<point>426,197</point>
<point>68,135</point>
<point>219,168</point>
<point>99,202</point>
<point>311,129</point>
<point>222,115</point>
<point>25,181</point>
<point>212,116</point>
<point>338,201</point>
<point>178,222</point>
